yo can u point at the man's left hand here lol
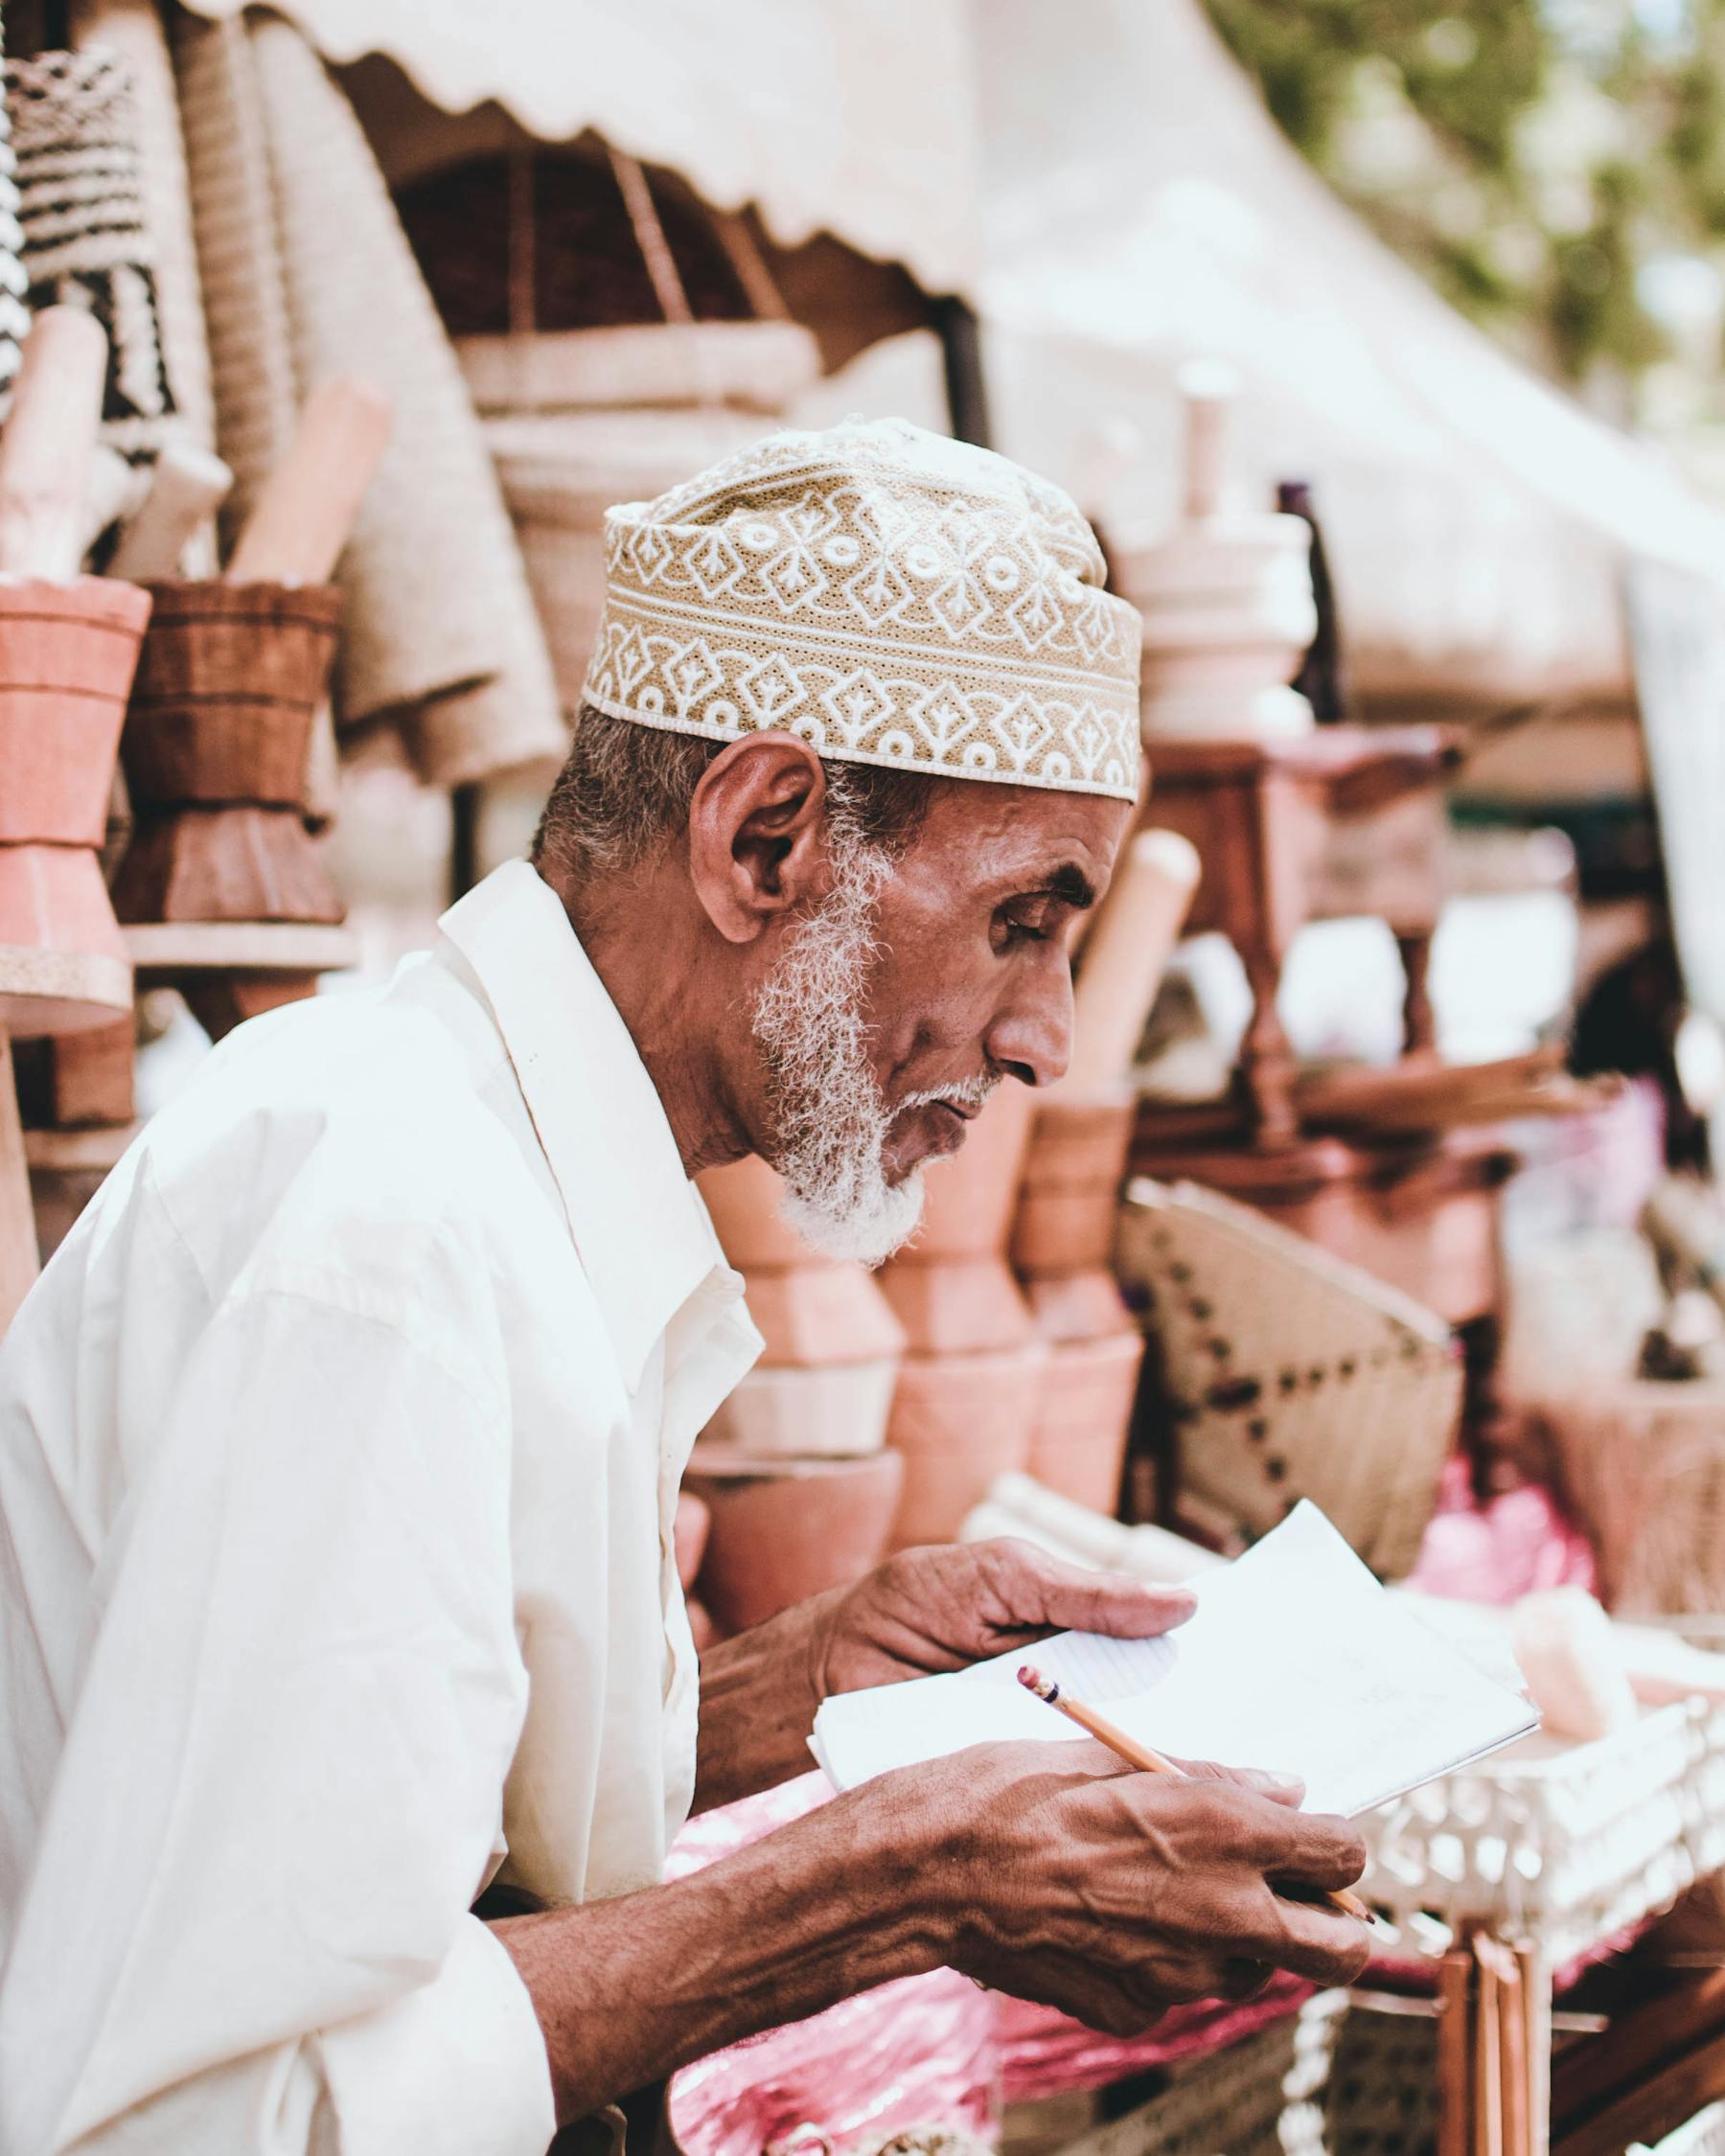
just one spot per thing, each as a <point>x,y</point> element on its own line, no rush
<point>926,1611</point>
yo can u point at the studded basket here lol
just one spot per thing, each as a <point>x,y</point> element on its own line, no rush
<point>1288,1374</point>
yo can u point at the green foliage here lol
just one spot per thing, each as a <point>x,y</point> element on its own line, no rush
<point>1533,157</point>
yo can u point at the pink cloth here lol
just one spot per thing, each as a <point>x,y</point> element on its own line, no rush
<point>1502,1550</point>
<point>917,2052</point>
<point>1046,2054</point>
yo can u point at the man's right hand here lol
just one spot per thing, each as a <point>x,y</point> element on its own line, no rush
<point>1111,1894</point>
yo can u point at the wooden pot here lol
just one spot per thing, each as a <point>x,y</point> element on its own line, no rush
<point>1084,1417</point>
<point>215,751</point>
<point>960,1420</point>
<point>785,1529</point>
<point>67,654</point>
<point>1073,1173</point>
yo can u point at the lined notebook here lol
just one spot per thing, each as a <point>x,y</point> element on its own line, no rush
<point>1297,1660</point>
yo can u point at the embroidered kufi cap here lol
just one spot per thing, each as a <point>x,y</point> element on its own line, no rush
<point>890,596</point>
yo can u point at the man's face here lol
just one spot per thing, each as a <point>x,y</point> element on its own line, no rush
<point>918,986</point>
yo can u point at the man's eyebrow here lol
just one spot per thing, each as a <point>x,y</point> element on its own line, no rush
<point>1071,887</point>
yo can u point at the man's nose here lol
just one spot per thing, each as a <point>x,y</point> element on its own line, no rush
<point>1031,1035</point>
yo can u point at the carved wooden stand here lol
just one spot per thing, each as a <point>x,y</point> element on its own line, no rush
<point>1346,820</point>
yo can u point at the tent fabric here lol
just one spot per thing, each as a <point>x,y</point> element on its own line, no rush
<point>858,121</point>
<point>1142,209</point>
<point>1105,184</point>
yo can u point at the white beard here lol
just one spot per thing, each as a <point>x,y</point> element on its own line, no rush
<point>831,1122</point>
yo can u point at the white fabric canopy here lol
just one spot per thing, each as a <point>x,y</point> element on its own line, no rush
<point>857,120</point>
<point>1105,183</point>
<point>1141,209</point>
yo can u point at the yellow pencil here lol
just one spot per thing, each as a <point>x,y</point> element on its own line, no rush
<point>1138,1755</point>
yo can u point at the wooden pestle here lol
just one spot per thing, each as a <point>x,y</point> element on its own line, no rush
<point>1124,958</point>
<point>189,486</point>
<point>306,508</point>
<point>48,447</point>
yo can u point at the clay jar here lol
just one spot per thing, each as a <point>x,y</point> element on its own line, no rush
<point>951,1285</point>
<point>1063,1237</point>
<point>823,1386</point>
<point>786,1529</point>
<point>966,1404</point>
<point>1063,1243</point>
<point>215,753</point>
<point>67,654</point>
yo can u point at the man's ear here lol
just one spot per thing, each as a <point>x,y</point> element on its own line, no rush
<point>755,834</point>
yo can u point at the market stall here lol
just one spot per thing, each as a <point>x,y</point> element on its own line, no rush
<point>393,310</point>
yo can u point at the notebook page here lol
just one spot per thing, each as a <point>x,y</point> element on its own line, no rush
<point>1297,1660</point>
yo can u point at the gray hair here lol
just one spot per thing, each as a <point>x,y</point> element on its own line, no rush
<point>625,792</point>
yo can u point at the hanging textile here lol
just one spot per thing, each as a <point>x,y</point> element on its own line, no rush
<point>306,273</point>
<point>74,137</point>
<point>14,316</point>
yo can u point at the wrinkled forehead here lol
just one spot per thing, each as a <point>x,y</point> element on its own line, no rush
<point>975,838</point>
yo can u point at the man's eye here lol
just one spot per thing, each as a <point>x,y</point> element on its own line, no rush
<point>1022,931</point>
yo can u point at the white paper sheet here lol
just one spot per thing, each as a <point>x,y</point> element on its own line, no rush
<point>1297,1660</point>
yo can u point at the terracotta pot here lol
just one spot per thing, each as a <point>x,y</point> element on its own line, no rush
<point>832,1411</point>
<point>784,1530</point>
<point>813,1311</point>
<point>214,752</point>
<point>80,1081</point>
<point>962,1306</point>
<point>689,1534</point>
<point>1085,1416</point>
<point>742,1201</point>
<point>1079,1306</point>
<point>822,1313</point>
<point>67,652</point>
<point>972,1196</point>
<point>960,1421</point>
<point>1074,1171</point>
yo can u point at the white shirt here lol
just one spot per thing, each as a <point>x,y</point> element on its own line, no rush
<point>339,1446</point>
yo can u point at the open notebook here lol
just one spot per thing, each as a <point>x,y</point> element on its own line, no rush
<point>1297,1660</point>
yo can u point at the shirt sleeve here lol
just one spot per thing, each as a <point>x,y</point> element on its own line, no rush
<point>246,1926</point>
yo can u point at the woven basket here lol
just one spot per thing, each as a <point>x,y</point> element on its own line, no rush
<point>1642,1464</point>
<point>560,471</point>
<point>133,31</point>
<point>1289,1373</point>
<point>74,135</point>
<point>758,367</point>
<point>1333,2079</point>
<point>1565,1845</point>
<point>14,315</point>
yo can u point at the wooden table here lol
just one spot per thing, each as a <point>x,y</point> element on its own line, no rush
<point>1344,821</point>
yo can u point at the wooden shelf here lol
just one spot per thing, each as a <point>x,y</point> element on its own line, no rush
<point>170,951</point>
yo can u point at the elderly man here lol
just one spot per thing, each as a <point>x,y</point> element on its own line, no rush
<point>340,1442</point>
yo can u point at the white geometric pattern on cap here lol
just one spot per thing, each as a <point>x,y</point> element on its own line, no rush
<point>888,595</point>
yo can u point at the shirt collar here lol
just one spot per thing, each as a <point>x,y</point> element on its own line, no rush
<point>637,1222</point>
